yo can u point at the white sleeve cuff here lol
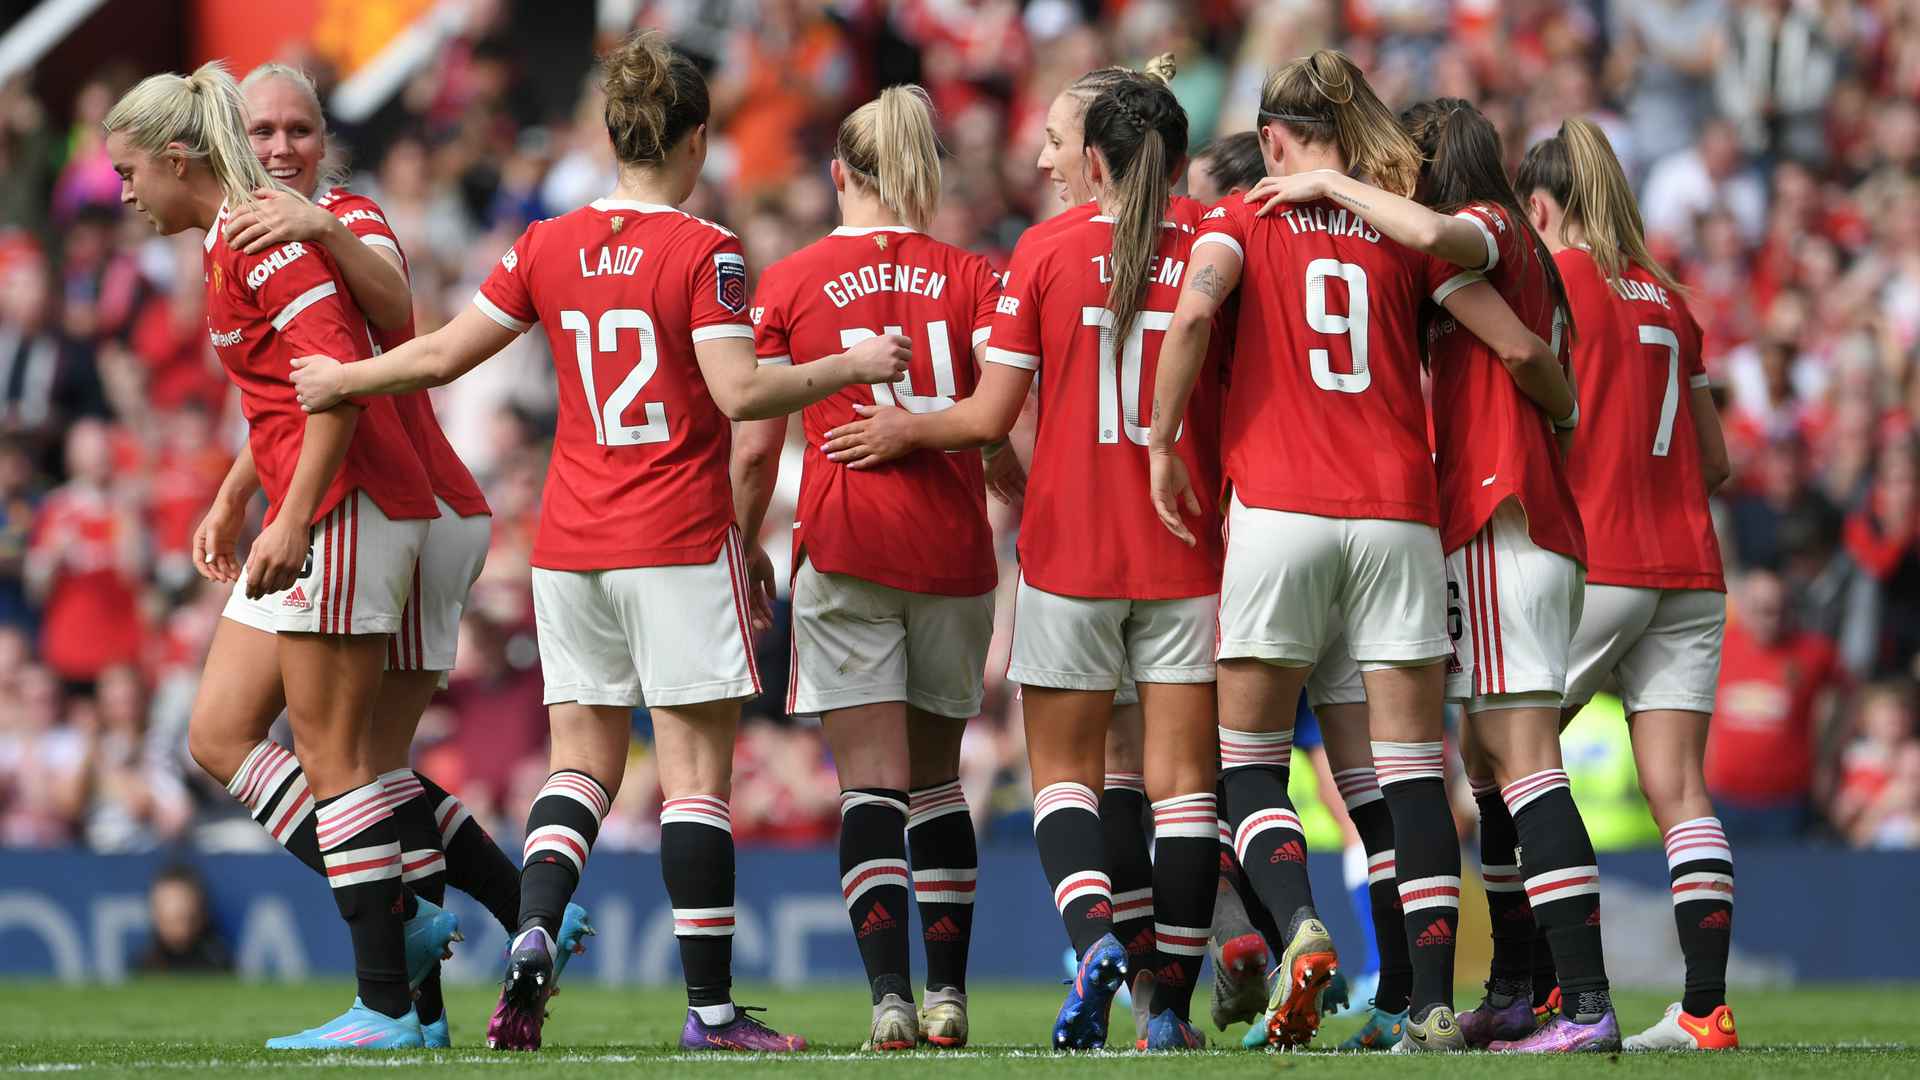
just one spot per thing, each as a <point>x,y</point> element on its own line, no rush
<point>1024,361</point>
<point>1455,283</point>
<point>302,302</point>
<point>492,311</point>
<point>776,361</point>
<point>1699,382</point>
<point>376,240</point>
<point>722,330</point>
<point>980,334</point>
<point>1493,246</point>
<point>1223,239</point>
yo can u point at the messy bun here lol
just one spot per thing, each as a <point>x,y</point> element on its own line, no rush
<point>655,97</point>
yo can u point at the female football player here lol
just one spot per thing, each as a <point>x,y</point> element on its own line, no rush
<point>240,692</point>
<point>1334,563</point>
<point>349,506</point>
<point>1651,452</point>
<point>1515,556</point>
<point>641,582</point>
<point>1083,311</point>
<point>889,643</point>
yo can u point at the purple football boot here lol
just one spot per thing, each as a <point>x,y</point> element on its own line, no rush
<point>1565,1035</point>
<point>743,1032</point>
<point>1490,1022</point>
<point>523,995</point>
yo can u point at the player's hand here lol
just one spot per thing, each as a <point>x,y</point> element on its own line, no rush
<point>1267,195</point>
<point>1173,494</point>
<point>759,589</point>
<point>1006,478</point>
<point>277,556</point>
<point>216,544</point>
<point>276,217</point>
<point>882,434</point>
<point>879,359</point>
<point>317,382</point>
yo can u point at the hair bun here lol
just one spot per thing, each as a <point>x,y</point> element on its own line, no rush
<point>1162,67</point>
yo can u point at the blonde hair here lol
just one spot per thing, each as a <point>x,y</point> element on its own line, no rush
<point>889,145</point>
<point>203,116</point>
<point>1580,170</point>
<point>1325,98</point>
<point>1141,132</point>
<point>333,164</point>
<point>1160,69</point>
<point>655,96</point>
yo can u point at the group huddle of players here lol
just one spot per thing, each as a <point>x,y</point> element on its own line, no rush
<point>1237,496</point>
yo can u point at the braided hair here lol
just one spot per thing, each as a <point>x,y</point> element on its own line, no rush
<point>1141,131</point>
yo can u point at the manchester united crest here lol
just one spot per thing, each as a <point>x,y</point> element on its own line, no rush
<point>880,241</point>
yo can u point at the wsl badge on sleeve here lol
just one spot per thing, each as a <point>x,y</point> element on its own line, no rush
<point>730,271</point>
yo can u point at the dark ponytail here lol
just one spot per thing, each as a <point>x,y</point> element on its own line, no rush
<point>1233,161</point>
<point>1141,131</point>
<point>1461,163</point>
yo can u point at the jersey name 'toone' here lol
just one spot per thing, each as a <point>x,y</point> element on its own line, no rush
<point>625,290</point>
<point>1635,469</point>
<point>1326,415</point>
<point>1089,528</point>
<point>448,474</point>
<point>1492,443</point>
<point>918,523</point>
<point>263,311</point>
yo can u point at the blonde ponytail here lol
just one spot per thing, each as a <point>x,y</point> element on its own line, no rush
<point>1580,170</point>
<point>1141,132</point>
<point>204,116</point>
<point>889,145</point>
<point>1326,98</point>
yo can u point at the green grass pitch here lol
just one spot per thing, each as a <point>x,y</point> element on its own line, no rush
<point>214,1028</point>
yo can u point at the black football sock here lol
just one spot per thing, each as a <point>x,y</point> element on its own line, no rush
<point>271,785</point>
<point>1426,865</point>
<point>1700,864</point>
<point>1066,829</point>
<point>946,865</point>
<point>1186,841</point>
<point>475,864</point>
<point>1509,974</point>
<point>423,866</point>
<point>1367,809</point>
<point>562,825</point>
<point>360,846</point>
<point>1268,841</point>
<point>696,859</point>
<point>874,881</point>
<point>1123,826</point>
<point>1563,885</point>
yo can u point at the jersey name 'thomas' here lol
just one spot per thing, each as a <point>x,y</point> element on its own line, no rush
<point>638,475</point>
<point>918,523</point>
<point>451,480</point>
<point>1089,527</point>
<point>1326,415</point>
<point>262,311</point>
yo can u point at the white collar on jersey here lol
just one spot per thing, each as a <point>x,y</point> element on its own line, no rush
<point>848,230</point>
<point>217,219</point>
<point>636,207</point>
<point>1108,220</point>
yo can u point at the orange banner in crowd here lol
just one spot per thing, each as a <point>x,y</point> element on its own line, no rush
<point>343,33</point>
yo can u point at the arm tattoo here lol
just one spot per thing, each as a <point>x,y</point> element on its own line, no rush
<point>1207,283</point>
<point>1356,203</point>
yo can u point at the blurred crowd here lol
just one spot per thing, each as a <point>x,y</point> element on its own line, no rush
<point>1775,143</point>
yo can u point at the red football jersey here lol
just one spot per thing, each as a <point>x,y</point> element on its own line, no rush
<point>1326,415</point>
<point>639,474</point>
<point>262,311</point>
<point>1492,442</point>
<point>448,474</point>
<point>1089,527</point>
<point>926,511</point>
<point>1635,469</point>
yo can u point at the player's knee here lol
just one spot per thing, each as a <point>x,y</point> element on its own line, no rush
<point>218,753</point>
<point>1675,794</point>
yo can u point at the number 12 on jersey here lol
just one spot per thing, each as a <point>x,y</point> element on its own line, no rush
<point>607,428</point>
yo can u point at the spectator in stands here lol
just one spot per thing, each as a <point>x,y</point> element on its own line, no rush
<point>47,381</point>
<point>184,940</point>
<point>1777,694</point>
<point>1883,730</point>
<point>1883,536</point>
<point>18,500</point>
<point>86,563</point>
<point>1710,175</point>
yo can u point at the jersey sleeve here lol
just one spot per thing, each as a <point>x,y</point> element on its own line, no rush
<point>1015,337</point>
<point>363,219</point>
<point>1225,224</point>
<point>772,343</point>
<point>504,297</point>
<point>719,282</point>
<point>986,300</point>
<point>1692,347</point>
<point>296,287</point>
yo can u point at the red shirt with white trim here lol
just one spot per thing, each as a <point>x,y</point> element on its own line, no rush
<point>1326,415</point>
<point>639,473</point>
<point>1635,470</point>
<point>262,311</point>
<point>1089,527</point>
<point>1492,442</point>
<point>451,480</point>
<point>918,523</point>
